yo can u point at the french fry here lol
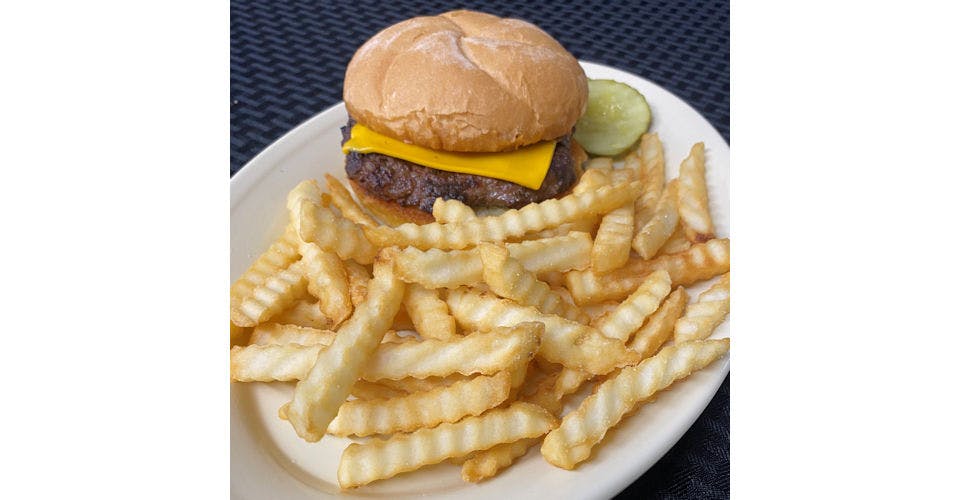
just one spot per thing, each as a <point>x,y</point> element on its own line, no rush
<point>317,397</point>
<point>581,429</point>
<point>509,279</point>
<point>549,396</point>
<point>550,392</point>
<point>676,243</point>
<point>599,163</point>
<point>592,179</point>
<point>630,315</point>
<point>429,314</point>
<point>510,224</point>
<point>702,261</point>
<point>447,211</point>
<point>566,342</point>
<point>598,310</point>
<point>661,225</point>
<point>659,326</point>
<point>487,463</point>
<point>585,225</point>
<point>692,197</point>
<point>343,200</point>
<point>279,334</point>
<point>327,281</point>
<point>277,292</point>
<point>304,312</point>
<point>380,459</point>
<point>273,362</point>
<point>306,191</point>
<point>358,278</point>
<point>452,268</point>
<point>483,353</point>
<point>370,391</point>
<point>332,232</point>
<point>702,317</point>
<point>611,247</point>
<point>410,385</point>
<point>648,162</point>
<point>421,409</point>
<point>278,256</point>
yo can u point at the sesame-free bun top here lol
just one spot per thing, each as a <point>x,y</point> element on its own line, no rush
<point>465,81</point>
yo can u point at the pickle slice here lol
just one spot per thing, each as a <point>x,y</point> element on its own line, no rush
<point>617,115</point>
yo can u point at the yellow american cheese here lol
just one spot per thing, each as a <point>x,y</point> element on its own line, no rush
<point>526,166</point>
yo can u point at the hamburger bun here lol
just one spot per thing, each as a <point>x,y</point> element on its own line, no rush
<point>465,81</point>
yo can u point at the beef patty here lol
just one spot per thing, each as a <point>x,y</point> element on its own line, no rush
<point>412,185</point>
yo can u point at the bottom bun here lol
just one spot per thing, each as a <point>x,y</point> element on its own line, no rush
<point>390,212</point>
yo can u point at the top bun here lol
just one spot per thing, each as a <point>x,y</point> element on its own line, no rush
<point>465,81</point>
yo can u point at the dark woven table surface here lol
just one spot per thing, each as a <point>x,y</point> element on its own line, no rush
<point>287,60</point>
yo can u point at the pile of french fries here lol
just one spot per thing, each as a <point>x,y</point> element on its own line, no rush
<point>460,339</point>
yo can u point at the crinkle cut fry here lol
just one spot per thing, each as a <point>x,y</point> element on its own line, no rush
<point>327,281</point>
<point>508,278</point>
<point>304,312</point>
<point>487,463</point>
<point>566,342</point>
<point>332,232</point>
<point>318,396</point>
<point>380,459</point>
<point>581,429</point>
<point>510,224</point>
<point>631,313</point>
<point>611,248</point>
<point>702,261</point>
<point>662,224</point>
<point>702,317</point>
<point>549,396</point>
<point>421,409</point>
<point>659,326</point>
<point>484,353</point>
<point>648,160</point>
<point>447,211</point>
<point>275,294</point>
<point>349,207</point>
<point>279,334</point>
<point>429,313</point>
<point>277,257</point>
<point>436,268</point>
<point>692,198</point>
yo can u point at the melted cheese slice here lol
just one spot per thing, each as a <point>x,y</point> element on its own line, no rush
<point>526,166</point>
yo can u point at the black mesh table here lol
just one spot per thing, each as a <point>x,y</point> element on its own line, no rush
<point>287,60</point>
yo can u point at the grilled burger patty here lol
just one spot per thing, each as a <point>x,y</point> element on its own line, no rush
<point>413,185</point>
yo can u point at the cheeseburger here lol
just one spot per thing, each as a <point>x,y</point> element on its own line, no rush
<point>464,106</point>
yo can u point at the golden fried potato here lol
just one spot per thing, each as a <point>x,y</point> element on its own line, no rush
<point>692,197</point>
<point>318,396</point>
<point>380,459</point>
<point>659,326</point>
<point>581,429</point>
<point>510,224</point>
<point>566,342</point>
<point>701,262</point>
<point>703,316</point>
<point>409,412</point>
<point>327,281</point>
<point>633,311</point>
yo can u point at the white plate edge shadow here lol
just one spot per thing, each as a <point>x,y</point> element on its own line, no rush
<point>621,471</point>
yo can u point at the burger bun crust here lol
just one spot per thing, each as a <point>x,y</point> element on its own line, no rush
<point>465,81</point>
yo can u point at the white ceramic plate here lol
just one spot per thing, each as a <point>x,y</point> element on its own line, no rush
<point>269,461</point>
